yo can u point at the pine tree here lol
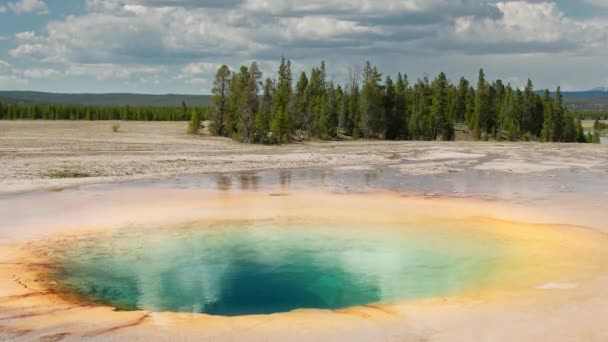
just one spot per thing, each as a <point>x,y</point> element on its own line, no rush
<point>392,118</point>
<point>570,129</point>
<point>531,120</point>
<point>419,125</point>
<point>281,125</point>
<point>195,122</point>
<point>482,107</point>
<point>331,113</point>
<point>439,120</point>
<point>558,116</point>
<point>352,120</point>
<point>263,118</point>
<point>401,109</point>
<point>221,92</point>
<point>547,134</point>
<point>237,101</point>
<point>301,104</point>
<point>371,102</point>
<point>460,105</point>
<point>469,114</point>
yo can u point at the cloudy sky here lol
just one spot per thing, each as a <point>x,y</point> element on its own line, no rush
<point>175,46</point>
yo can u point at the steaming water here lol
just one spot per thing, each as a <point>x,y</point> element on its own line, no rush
<point>269,267</point>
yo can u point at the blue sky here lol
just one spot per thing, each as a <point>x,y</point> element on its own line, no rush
<point>175,46</point>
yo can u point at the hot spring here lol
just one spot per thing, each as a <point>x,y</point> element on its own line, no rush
<point>244,268</point>
<point>311,256</point>
<point>255,253</point>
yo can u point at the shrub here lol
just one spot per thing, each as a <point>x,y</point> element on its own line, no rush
<point>67,173</point>
<point>115,127</point>
<point>195,122</point>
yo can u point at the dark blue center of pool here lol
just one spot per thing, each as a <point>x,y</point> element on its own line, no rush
<point>262,268</point>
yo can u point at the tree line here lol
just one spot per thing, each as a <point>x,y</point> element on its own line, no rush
<point>592,115</point>
<point>598,126</point>
<point>370,106</point>
<point>14,111</point>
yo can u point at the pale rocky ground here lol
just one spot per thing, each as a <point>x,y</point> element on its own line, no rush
<point>31,152</point>
<point>543,178</point>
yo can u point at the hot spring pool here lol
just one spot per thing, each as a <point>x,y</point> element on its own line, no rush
<point>251,267</point>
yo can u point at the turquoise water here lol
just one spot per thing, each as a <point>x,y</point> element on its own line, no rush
<point>261,268</point>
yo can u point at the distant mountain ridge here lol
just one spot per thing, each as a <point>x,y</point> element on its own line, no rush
<point>595,99</point>
<point>585,94</point>
<point>591,100</point>
<point>105,100</point>
<point>589,94</point>
<point>604,89</point>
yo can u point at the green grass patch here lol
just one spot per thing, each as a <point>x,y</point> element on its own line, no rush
<point>66,173</point>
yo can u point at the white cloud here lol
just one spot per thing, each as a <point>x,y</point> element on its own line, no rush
<point>9,77</point>
<point>197,73</point>
<point>29,6</point>
<point>146,33</point>
<point>40,73</point>
<point>11,82</point>
<point>162,31</point>
<point>110,6</point>
<point>28,50</point>
<point>321,28</point>
<point>133,40</point>
<point>28,36</point>
<point>113,71</point>
<point>2,9</point>
<point>525,27</point>
<point>367,7</point>
<point>598,3</point>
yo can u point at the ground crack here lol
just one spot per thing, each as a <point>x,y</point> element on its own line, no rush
<point>26,315</point>
<point>119,327</point>
<point>18,281</point>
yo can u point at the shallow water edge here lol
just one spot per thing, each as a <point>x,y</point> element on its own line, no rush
<point>555,260</point>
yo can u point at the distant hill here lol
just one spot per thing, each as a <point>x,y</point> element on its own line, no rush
<point>590,94</point>
<point>596,99</point>
<point>105,100</point>
<point>597,93</point>
<point>605,89</point>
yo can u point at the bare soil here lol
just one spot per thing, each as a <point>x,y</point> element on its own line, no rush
<point>55,154</point>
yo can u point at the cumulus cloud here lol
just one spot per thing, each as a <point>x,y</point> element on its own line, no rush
<point>164,30</point>
<point>597,3</point>
<point>146,34</point>
<point>113,38</point>
<point>4,65</point>
<point>113,71</point>
<point>28,37</point>
<point>10,82</point>
<point>524,27</point>
<point>40,73</point>
<point>29,50</point>
<point>197,73</point>
<point>29,6</point>
<point>9,77</point>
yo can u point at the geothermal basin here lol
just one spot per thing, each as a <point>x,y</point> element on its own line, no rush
<point>327,255</point>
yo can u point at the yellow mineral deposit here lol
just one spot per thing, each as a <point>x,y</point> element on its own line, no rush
<point>552,271</point>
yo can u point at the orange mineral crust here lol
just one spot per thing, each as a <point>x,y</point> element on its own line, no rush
<point>553,271</point>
